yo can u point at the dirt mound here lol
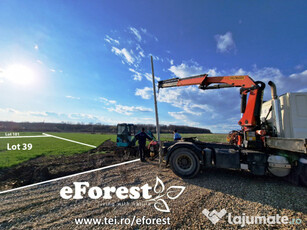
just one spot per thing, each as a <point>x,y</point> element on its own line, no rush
<point>50,167</point>
<point>108,146</point>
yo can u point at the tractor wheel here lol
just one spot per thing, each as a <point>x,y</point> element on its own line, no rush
<point>184,163</point>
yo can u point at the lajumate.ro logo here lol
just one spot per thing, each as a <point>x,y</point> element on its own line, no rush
<point>243,220</point>
<point>82,190</point>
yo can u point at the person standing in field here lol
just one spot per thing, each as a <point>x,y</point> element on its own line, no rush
<point>176,135</point>
<point>141,138</point>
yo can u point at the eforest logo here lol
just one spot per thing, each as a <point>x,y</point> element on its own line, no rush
<point>82,190</point>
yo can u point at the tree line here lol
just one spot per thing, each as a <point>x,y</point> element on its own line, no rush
<point>6,126</point>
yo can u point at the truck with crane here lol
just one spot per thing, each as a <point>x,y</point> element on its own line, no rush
<point>272,138</point>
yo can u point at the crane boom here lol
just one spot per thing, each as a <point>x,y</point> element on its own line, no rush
<point>204,81</point>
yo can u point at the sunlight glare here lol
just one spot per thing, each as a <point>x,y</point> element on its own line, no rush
<point>20,74</point>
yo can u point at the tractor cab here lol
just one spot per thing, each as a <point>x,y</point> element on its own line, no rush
<point>125,135</point>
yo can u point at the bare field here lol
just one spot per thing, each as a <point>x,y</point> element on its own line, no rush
<point>41,207</point>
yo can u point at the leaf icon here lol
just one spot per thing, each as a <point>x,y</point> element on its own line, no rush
<point>161,206</point>
<point>159,183</point>
<point>173,190</point>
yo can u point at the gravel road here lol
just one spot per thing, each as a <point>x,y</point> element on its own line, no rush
<point>41,207</point>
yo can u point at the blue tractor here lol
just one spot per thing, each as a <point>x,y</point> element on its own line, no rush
<point>125,135</point>
<point>126,139</point>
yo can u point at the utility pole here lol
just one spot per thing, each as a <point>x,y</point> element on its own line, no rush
<point>156,111</point>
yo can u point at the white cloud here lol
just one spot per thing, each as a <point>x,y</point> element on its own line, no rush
<point>143,30</point>
<point>267,74</point>
<point>240,71</point>
<point>185,99</point>
<point>10,114</point>
<point>292,83</point>
<point>79,116</point>
<point>52,70</point>
<point>21,116</point>
<point>124,53</point>
<point>137,76</point>
<point>302,90</point>
<point>148,76</point>
<point>300,76</point>
<point>178,115</point>
<point>145,93</point>
<point>123,109</point>
<point>213,72</point>
<point>133,54</point>
<point>71,97</point>
<point>182,118</point>
<point>171,96</point>
<point>107,101</point>
<point>142,109</point>
<point>111,40</point>
<point>36,47</point>
<point>203,107</point>
<point>141,53</point>
<point>128,110</point>
<point>155,58</point>
<point>184,70</point>
<point>1,75</point>
<point>225,42</point>
<point>299,67</point>
<point>38,114</point>
<point>136,33</point>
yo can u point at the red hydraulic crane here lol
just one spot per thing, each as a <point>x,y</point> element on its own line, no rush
<point>251,109</point>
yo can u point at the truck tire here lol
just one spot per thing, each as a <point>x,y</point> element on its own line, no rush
<point>184,163</point>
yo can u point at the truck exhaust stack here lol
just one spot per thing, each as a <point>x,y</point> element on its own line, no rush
<point>276,109</point>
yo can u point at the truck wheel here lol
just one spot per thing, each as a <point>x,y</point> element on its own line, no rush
<point>184,163</point>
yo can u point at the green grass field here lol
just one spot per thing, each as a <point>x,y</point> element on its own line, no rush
<point>202,137</point>
<point>47,146</point>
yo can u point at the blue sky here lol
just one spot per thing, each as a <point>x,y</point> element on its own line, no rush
<point>89,61</point>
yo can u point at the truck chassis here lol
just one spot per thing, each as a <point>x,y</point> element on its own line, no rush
<point>188,156</point>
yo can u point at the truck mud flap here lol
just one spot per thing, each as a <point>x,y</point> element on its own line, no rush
<point>298,175</point>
